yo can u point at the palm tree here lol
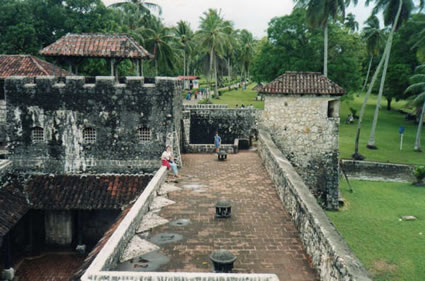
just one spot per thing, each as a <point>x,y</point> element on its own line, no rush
<point>184,35</point>
<point>212,36</point>
<point>418,87</point>
<point>143,7</point>
<point>395,13</point>
<point>351,23</point>
<point>161,40</point>
<point>246,51</point>
<point>375,39</point>
<point>318,14</point>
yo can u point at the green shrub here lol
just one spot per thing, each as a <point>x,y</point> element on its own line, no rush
<point>420,174</point>
<point>205,101</point>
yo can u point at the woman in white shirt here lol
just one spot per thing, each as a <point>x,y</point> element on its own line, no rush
<point>167,160</point>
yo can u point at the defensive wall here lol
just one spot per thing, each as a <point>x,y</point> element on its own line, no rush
<point>377,171</point>
<point>105,126</point>
<point>201,122</point>
<point>328,251</point>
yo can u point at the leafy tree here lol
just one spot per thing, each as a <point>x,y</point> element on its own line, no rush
<point>246,51</point>
<point>418,88</point>
<point>318,14</point>
<point>292,46</point>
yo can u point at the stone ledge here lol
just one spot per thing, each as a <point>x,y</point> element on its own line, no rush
<point>208,148</point>
<point>329,253</point>
<point>180,276</point>
<point>112,250</point>
<point>378,171</point>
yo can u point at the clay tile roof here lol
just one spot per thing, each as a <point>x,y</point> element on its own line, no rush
<point>303,83</point>
<point>96,45</point>
<point>258,87</point>
<point>84,192</point>
<point>13,207</point>
<point>26,65</point>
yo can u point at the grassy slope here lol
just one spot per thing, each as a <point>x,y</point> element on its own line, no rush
<point>239,97</point>
<point>387,135</point>
<point>390,249</point>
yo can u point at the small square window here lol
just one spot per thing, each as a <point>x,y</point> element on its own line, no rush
<point>37,135</point>
<point>144,135</point>
<point>89,135</point>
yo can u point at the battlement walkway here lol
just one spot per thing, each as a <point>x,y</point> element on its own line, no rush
<point>260,232</point>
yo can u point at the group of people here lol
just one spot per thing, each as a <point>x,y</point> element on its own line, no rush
<point>196,94</point>
<point>167,158</point>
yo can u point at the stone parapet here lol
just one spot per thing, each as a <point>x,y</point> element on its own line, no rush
<point>329,253</point>
<point>179,276</point>
<point>378,171</point>
<point>108,257</point>
<point>209,148</point>
<point>205,106</point>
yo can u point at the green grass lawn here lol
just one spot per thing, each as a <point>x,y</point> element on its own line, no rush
<point>387,135</point>
<point>239,97</point>
<point>370,223</point>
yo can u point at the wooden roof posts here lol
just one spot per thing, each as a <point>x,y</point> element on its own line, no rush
<point>72,48</point>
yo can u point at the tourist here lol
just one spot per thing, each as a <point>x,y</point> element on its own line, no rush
<point>196,94</point>
<point>217,142</point>
<point>188,95</point>
<point>167,160</point>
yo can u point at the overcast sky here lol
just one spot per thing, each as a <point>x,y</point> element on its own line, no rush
<point>245,14</point>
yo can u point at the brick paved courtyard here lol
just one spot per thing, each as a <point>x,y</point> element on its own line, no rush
<point>49,267</point>
<point>260,232</point>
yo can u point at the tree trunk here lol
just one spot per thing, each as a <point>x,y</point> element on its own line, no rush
<point>389,100</point>
<point>356,154</point>
<point>325,51</point>
<point>367,74</point>
<point>216,80</point>
<point>418,131</point>
<point>184,63</point>
<point>371,143</point>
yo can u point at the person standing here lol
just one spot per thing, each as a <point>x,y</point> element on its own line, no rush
<point>217,142</point>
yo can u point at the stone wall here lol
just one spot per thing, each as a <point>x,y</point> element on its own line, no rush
<point>378,171</point>
<point>209,148</point>
<point>305,128</point>
<point>328,251</point>
<point>201,124</point>
<point>58,228</point>
<point>115,111</point>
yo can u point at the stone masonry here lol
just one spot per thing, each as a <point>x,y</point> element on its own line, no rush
<point>130,123</point>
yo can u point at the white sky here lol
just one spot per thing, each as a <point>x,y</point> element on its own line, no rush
<point>245,14</point>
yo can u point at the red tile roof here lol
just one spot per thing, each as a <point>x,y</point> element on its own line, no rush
<point>13,206</point>
<point>96,45</point>
<point>84,192</point>
<point>187,77</point>
<point>26,65</point>
<point>303,83</point>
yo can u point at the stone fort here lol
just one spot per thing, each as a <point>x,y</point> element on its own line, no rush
<point>66,136</point>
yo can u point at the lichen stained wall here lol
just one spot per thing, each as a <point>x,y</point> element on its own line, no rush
<point>115,111</point>
<point>306,130</point>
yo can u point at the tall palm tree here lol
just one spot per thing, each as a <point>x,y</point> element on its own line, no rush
<point>212,36</point>
<point>375,39</point>
<point>351,23</point>
<point>318,14</point>
<point>395,13</point>
<point>246,45</point>
<point>418,87</point>
<point>184,35</point>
